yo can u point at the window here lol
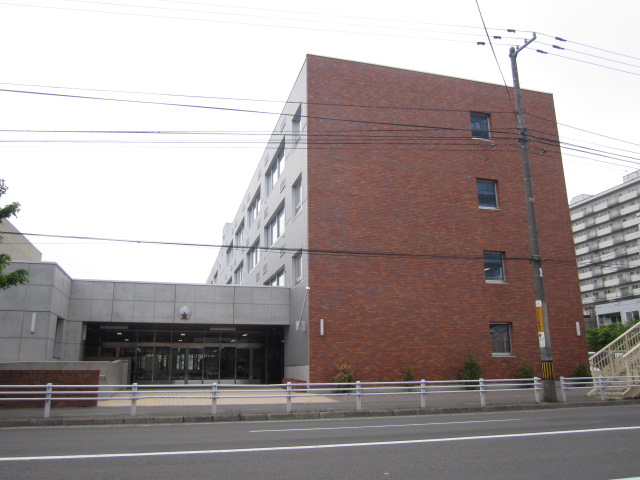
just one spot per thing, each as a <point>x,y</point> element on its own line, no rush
<point>295,124</point>
<point>500,338</point>
<point>275,169</point>
<point>254,209</point>
<point>297,267</point>
<point>275,228</point>
<point>58,346</point>
<point>253,256</point>
<point>480,126</point>
<point>237,275</point>
<point>277,280</point>
<point>296,193</point>
<point>494,266</point>
<point>487,194</point>
<point>633,316</point>
<point>229,253</point>
<point>240,233</point>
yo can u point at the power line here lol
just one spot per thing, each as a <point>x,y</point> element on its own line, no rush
<point>332,252</point>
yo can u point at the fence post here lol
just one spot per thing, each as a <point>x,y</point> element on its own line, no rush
<point>483,401</point>
<point>289,395</point>
<point>47,401</point>
<point>537,387</point>
<point>358,396</point>
<point>134,398</point>
<point>601,387</point>
<point>564,393</point>
<point>423,393</point>
<point>214,398</point>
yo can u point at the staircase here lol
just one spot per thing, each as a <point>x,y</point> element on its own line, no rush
<point>621,358</point>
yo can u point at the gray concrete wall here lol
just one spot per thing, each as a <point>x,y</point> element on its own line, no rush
<point>44,320</point>
<point>29,314</point>
<point>16,245</point>
<point>280,256</point>
<point>120,302</point>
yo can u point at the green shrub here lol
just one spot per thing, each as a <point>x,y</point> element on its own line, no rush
<point>526,371</point>
<point>344,375</point>
<point>600,337</point>
<point>407,374</point>
<point>581,371</point>
<point>470,369</point>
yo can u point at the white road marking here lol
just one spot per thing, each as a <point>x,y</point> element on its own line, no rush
<point>384,426</point>
<point>317,447</point>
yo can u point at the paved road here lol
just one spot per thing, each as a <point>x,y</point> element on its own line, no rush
<point>584,443</point>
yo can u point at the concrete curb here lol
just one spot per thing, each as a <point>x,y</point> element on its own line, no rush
<point>306,415</point>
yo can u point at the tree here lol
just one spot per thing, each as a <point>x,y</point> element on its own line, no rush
<point>16,277</point>
<point>600,337</point>
<point>471,369</point>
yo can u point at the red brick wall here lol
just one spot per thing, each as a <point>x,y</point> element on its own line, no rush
<point>414,192</point>
<point>42,377</point>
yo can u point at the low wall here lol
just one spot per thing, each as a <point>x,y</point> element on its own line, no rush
<point>56,377</point>
<point>111,373</point>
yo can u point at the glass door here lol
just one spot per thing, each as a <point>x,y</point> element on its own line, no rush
<point>211,364</point>
<point>195,363</point>
<point>178,364</point>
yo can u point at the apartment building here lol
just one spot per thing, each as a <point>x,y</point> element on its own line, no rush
<point>606,234</point>
<point>390,205</point>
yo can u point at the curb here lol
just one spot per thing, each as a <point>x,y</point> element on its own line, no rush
<point>307,415</point>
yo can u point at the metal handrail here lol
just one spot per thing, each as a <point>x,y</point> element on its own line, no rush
<point>50,393</point>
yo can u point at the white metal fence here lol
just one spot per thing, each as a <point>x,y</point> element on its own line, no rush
<point>291,392</point>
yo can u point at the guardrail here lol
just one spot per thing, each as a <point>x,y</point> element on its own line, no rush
<point>604,386</point>
<point>46,395</point>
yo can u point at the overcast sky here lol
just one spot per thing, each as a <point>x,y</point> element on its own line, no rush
<point>175,186</point>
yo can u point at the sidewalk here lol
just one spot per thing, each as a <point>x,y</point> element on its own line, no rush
<point>304,406</point>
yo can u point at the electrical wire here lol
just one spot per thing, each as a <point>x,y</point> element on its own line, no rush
<point>330,252</point>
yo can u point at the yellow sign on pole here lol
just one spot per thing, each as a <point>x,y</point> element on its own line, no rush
<point>540,318</point>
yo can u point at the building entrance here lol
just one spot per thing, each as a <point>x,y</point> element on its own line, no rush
<point>162,354</point>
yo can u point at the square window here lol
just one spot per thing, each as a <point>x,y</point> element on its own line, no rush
<point>297,267</point>
<point>240,233</point>
<point>237,275</point>
<point>488,194</point>
<point>275,229</point>
<point>277,280</point>
<point>276,169</point>
<point>494,266</point>
<point>253,256</point>
<point>295,124</point>
<point>296,193</point>
<point>480,126</point>
<point>500,338</point>
<point>254,209</point>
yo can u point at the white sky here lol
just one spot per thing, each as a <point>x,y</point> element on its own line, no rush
<point>138,186</point>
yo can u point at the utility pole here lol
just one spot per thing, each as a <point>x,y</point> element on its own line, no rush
<point>544,339</point>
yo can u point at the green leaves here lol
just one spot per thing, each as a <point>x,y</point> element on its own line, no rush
<point>16,277</point>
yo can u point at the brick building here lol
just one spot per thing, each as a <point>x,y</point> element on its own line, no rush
<point>391,204</point>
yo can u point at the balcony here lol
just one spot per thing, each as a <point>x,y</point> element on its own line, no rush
<point>627,209</point>
<point>576,214</point>
<point>632,236</point>
<point>613,296</point>
<point>605,243</point>
<point>616,281</point>
<point>593,273</point>
<point>600,207</point>
<point>588,287</point>
<point>604,231</point>
<point>602,219</point>
<point>628,196</point>
<point>630,222</point>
